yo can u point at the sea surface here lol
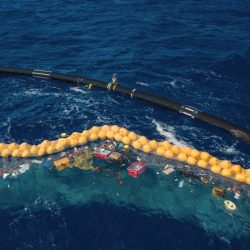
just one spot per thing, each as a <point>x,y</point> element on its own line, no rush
<point>194,52</point>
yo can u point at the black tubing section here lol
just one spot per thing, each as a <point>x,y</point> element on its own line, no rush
<point>235,130</point>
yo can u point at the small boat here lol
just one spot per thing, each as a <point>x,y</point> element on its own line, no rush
<point>102,153</point>
<point>136,169</point>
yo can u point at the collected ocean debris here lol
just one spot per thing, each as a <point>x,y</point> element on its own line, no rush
<point>218,192</point>
<point>62,163</point>
<point>102,153</point>
<point>13,172</point>
<point>181,183</point>
<point>136,169</point>
<point>115,156</point>
<point>84,160</point>
<point>229,205</point>
<point>168,170</point>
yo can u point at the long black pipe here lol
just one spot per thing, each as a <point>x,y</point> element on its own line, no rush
<point>235,130</point>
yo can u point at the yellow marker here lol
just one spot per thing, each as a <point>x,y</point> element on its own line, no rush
<point>63,135</point>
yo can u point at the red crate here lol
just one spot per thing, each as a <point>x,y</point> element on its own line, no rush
<point>102,153</point>
<point>136,169</point>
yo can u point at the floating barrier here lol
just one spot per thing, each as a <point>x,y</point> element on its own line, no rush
<point>235,130</point>
<point>164,149</point>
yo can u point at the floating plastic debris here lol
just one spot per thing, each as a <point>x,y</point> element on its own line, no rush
<point>37,161</point>
<point>137,168</point>
<point>102,153</point>
<point>181,184</point>
<point>168,170</point>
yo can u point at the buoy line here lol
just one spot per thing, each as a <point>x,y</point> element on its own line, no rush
<point>164,149</point>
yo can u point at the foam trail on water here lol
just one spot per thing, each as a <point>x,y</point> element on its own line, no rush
<point>142,83</point>
<point>77,89</point>
<point>168,133</point>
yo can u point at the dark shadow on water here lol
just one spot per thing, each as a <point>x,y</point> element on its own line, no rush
<point>103,226</point>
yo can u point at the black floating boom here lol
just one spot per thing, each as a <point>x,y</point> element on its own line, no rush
<point>235,130</point>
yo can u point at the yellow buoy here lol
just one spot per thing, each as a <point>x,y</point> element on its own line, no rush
<point>59,147</point>
<point>213,161</point>
<point>115,129</point>
<point>216,169</point>
<point>236,169</point>
<point>186,150</point>
<point>202,163</point>
<point>34,149</point>
<point>125,140</point>
<point>143,140</point>
<point>110,135</point>
<point>146,148</point>
<point>225,164</point>
<point>165,144</point>
<point>132,136</point>
<point>194,153</point>
<point>12,146</point>
<point>95,130</point>
<point>50,150</point>
<point>169,154</point>
<point>82,140</point>
<point>2,146</point>
<point>175,149</point>
<point>118,137</point>
<point>16,153</point>
<point>191,160</point>
<point>247,180</point>
<point>75,135</point>
<point>5,153</point>
<point>85,133</point>
<point>92,137</point>
<point>204,156</point>
<point>24,146</point>
<point>44,143</point>
<point>240,177</point>
<point>63,135</point>
<point>229,205</point>
<point>226,172</point>
<point>106,128</point>
<point>26,153</point>
<point>136,145</point>
<point>160,151</point>
<point>102,134</point>
<point>123,131</point>
<point>247,172</point>
<point>153,144</point>
<point>41,151</point>
<point>182,157</point>
<point>74,142</point>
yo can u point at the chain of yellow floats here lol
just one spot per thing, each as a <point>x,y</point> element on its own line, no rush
<point>164,149</point>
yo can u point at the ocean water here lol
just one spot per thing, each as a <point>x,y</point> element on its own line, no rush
<point>190,51</point>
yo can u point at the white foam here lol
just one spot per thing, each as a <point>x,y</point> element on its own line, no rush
<point>169,133</point>
<point>142,83</point>
<point>173,83</point>
<point>77,89</point>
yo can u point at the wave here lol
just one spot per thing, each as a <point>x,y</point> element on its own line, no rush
<point>142,83</point>
<point>168,132</point>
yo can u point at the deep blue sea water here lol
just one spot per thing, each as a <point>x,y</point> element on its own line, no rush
<point>193,52</point>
